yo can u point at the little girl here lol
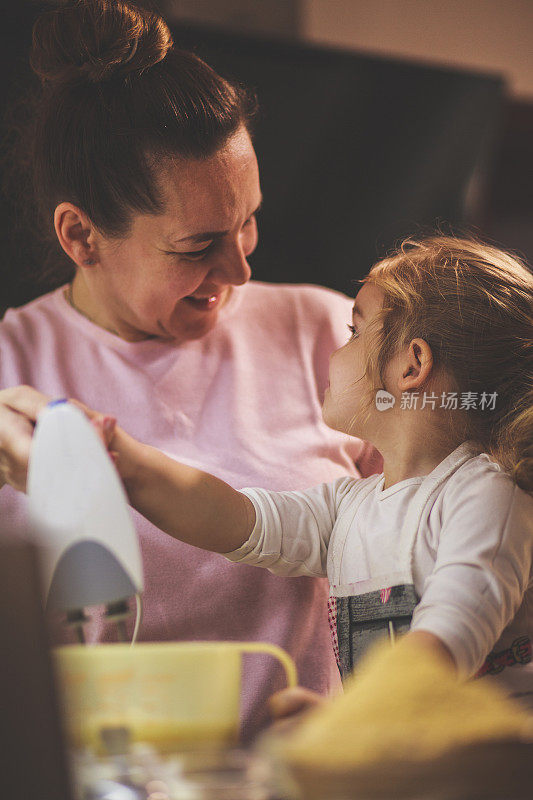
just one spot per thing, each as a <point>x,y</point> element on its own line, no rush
<point>438,375</point>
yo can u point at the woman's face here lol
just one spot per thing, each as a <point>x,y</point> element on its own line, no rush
<point>174,271</point>
<point>348,383</point>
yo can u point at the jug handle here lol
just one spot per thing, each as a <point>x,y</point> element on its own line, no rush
<point>276,652</point>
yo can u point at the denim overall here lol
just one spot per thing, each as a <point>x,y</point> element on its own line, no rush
<point>364,611</point>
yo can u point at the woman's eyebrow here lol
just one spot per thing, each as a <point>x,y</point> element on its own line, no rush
<point>196,238</point>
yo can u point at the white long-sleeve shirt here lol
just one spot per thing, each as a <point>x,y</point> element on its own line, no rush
<point>472,558</point>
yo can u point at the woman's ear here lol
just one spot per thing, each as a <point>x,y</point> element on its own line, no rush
<point>76,234</point>
<point>416,364</point>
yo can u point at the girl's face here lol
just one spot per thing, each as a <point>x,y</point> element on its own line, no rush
<point>173,272</point>
<point>348,384</point>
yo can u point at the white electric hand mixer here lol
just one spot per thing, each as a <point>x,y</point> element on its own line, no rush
<point>79,514</point>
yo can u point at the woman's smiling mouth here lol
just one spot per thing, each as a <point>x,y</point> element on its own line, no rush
<point>206,303</point>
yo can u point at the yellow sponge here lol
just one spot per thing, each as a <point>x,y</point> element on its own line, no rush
<point>403,704</point>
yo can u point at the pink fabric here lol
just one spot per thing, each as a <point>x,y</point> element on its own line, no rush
<point>243,403</point>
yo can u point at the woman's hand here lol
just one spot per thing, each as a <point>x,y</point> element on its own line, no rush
<point>19,409</point>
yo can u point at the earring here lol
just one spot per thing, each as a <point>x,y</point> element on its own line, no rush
<point>89,262</point>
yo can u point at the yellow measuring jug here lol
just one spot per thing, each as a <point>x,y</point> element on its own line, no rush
<point>170,695</point>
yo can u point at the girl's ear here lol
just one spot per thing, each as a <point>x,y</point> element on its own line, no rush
<point>415,365</point>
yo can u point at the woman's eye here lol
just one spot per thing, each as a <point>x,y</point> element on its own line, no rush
<point>197,255</point>
<point>353,331</point>
<point>194,255</point>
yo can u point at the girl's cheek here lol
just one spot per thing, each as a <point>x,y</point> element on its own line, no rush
<point>336,377</point>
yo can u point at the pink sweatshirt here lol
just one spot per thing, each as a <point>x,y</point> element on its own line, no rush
<point>244,403</point>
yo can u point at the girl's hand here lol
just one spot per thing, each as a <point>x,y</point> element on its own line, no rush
<point>433,643</point>
<point>19,409</point>
<point>123,449</point>
<point>289,705</point>
<point>292,701</point>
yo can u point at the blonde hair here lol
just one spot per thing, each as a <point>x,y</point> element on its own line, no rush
<point>473,304</point>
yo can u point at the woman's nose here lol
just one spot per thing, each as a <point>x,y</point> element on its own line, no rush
<point>234,268</point>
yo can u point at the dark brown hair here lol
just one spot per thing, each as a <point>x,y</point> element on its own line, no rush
<point>116,99</point>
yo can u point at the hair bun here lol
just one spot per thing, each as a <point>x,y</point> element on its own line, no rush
<point>96,39</point>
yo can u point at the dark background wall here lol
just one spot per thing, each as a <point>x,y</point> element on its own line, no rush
<point>487,36</point>
<point>355,152</point>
